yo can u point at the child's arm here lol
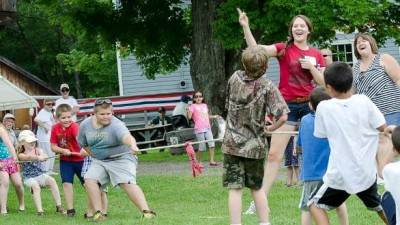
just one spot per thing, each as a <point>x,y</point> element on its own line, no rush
<point>42,124</point>
<point>129,140</point>
<point>278,123</point>
<point>7,141</point>
<point>59,150</point>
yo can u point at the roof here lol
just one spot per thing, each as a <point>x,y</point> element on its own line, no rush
<point>28,75</point>
<point>14,98</point>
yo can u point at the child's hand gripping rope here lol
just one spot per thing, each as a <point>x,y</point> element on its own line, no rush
<point>197,168</point>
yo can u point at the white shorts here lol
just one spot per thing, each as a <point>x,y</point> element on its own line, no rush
<point>41,180</point>
<point>121,170</point>
<point>207,135</point>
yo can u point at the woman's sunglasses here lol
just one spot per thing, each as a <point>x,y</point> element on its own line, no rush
<point>64,90</point>
<point>198,96</point>
<point>50,104</point>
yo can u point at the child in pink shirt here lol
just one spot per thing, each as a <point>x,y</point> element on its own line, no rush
<point>202,128</point>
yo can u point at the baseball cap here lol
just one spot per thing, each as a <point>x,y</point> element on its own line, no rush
<point>27,136</point>
<point>9,116</point>
<point>64,85</point>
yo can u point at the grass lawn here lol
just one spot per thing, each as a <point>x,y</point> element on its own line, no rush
<point>179,200</point>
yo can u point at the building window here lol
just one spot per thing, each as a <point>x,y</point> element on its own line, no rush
<point>343,53</point>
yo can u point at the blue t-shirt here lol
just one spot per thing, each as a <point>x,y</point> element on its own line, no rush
<point>103,142</point>
<point>315,150</point>
<point>4,154</point>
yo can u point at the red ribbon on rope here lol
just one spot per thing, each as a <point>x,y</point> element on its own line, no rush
<point>197,168</point>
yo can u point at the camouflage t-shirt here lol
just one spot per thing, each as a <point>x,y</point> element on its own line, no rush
<point>248,103</point>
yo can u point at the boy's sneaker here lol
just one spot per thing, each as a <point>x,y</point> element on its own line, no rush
<point>71,212</point>
<point>98,216</point>
<point>252,209</point>
<point>148,214</point>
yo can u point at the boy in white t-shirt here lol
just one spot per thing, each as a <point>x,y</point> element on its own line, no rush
<point>351,124</point>
<point>391,172</point>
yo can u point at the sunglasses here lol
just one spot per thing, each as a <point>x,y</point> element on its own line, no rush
<point>198,96</point>
<point>64,90</point>
<point>102,101</point>
<point>326,56</point>
<point>50,104</point>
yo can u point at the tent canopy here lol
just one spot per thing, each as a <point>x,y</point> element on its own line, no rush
<point>11,97</point>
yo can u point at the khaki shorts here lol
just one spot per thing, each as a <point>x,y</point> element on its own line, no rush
<point>121,170</point>
<point>41,180</point>
<point>242,172</point>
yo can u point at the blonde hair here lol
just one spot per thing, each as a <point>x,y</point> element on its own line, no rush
<point>366,37</point>
<point>255,59</point>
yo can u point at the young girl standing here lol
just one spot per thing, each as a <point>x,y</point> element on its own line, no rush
<point>8,170</point>
<point>33,170</point>
<point>202,128</point>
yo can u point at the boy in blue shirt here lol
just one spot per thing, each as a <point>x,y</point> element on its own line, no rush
<point>315,159</point>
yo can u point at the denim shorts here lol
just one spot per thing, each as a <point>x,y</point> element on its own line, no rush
<point>297,111</point>
<point>393,118</point>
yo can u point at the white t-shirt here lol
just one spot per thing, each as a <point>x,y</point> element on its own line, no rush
<point>180,109</point>
<point>350,126</point>
<point>47,118</point>
<point>70,101</point>
<point>391,175</point>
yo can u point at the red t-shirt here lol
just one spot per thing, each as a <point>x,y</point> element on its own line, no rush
<point>294,81</point>
<point>66,138</point>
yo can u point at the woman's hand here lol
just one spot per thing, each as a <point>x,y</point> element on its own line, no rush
<point>243,19</point>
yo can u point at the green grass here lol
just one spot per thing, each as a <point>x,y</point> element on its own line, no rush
<point>178,200</point>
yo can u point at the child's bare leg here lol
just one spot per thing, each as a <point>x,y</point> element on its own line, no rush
<point>295,175</point>
<point>320,216</point>
<point>306,218</point>
<point>104,202</point>
<point>19,189</point>
<point>36,197</point>
<point>260,200</point>
<point>211,154</point>
<point>55,192</point>
<point>4,183</point>
<point>289,175</point>
<point>235,206</point>
<point>341,212</point>
<point>136,195</point>
<point>94,194</point>
<point>69,195</point>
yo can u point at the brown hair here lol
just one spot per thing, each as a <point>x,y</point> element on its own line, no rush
<point>63,108</point>
<point>254,60</point>
<point>366,37</point>
<point>290,33</point>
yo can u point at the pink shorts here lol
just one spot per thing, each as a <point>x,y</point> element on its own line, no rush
<point>9,166</point>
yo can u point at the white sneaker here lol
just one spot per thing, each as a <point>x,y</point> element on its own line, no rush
<point>251,210</point>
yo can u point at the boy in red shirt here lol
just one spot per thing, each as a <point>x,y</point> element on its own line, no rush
<point>64,141</point>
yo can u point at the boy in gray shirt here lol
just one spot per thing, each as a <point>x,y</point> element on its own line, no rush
<point>110,143</point>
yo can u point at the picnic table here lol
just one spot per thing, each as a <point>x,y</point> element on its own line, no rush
<point>148,133</point>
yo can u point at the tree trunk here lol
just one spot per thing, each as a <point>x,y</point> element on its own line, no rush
<point>78,85</point>
<point>208,56</point>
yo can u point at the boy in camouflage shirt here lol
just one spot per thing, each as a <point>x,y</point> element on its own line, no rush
<point>251,97</point>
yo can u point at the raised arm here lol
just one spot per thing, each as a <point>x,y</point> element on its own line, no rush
<point>250,41</point>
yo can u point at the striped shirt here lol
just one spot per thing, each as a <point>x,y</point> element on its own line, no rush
<point>378,86</point>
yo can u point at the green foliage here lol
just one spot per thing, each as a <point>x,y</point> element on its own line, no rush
<point>269,19</point>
